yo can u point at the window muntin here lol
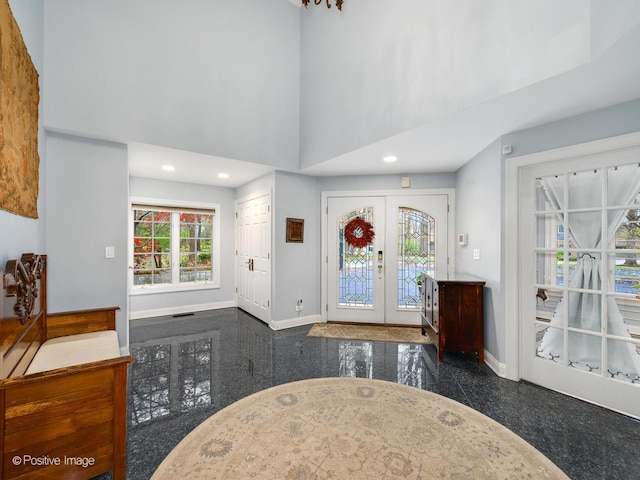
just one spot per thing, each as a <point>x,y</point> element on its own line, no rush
<point>151,247</point>
<point>196,238</point>
<point>587,247</point>
<point>173,247</point>
<point>355,270</point>
<point>416,254</point>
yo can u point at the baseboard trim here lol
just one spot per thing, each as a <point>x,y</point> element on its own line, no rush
<point>295,322</point>
<point>499,369</point>
<point>162,312</point>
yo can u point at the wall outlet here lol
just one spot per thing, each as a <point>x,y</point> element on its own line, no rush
<point>299,306</point>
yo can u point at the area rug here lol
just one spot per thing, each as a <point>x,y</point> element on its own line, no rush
<point>352,428</point>
<point>378,333</point>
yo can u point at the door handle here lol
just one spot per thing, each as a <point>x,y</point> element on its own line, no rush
<point>250,263</point>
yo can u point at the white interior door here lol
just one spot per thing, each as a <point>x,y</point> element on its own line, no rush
<point>254,256</point>
<point>378,282</point>
<point>580,251</point>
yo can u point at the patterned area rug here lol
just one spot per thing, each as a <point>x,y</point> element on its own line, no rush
<point>352,428</point>
<point>380,333</point>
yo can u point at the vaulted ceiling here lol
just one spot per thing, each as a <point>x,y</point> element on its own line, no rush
<point>464,77</point>
<point>432,82</point>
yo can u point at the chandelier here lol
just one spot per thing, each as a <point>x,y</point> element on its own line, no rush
<point>318,2</point>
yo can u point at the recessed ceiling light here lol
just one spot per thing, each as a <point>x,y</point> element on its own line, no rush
<point>223,175</point>
<point>390,159</point>
<point>168,168</point>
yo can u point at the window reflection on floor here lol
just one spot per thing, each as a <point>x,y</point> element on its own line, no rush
<point>356,359</point>
<point>171,377</point>
<point>176,374</point>
<point>359,359</point>
<point>150,383</point>
<point>411,366</point>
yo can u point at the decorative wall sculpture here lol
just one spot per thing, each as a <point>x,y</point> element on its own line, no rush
<point>19,97</point>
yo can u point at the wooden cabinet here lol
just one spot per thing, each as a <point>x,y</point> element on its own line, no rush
<point>453,314</point>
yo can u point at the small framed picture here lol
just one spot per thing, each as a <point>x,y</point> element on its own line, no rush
<point>295,230</point>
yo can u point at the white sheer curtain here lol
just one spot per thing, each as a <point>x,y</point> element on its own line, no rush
<point>584,230</point>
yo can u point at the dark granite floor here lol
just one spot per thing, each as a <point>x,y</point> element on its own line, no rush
<point>189,367</point>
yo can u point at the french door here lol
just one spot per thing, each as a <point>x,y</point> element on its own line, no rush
<point>378,247</point>
<point>580,278</point>
<point>253,226</point>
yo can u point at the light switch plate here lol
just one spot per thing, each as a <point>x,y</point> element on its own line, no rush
<point>476,254</point>
<point>110,252</point>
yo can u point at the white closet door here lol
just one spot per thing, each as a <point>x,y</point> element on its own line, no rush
<point>254,256</point>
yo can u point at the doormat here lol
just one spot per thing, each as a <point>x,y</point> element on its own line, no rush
<point>376,333</point>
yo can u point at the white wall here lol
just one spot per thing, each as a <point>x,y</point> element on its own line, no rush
<point>148,305</point>
<point>479,215</point>
<point>215,77</point>
<point>87,192</point>
<point>18,234</point>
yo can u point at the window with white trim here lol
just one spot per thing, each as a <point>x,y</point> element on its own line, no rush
<point>174,247</point>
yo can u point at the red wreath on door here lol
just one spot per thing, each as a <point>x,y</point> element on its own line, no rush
<point>359,233</point>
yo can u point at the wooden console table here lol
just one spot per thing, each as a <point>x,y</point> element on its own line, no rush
<point>453,314</point>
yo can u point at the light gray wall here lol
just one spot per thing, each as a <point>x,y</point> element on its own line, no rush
<point>379,68</point>
<point>179,301</point>
<point>386,182</point>
<point>297,265</point>
<point>265,183</point>
<point>87,192</point>
<point>18,234</point>
<point>480,204</point>
<point>478,214</point>
<point>216,77</point>
<point>596,125</point>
